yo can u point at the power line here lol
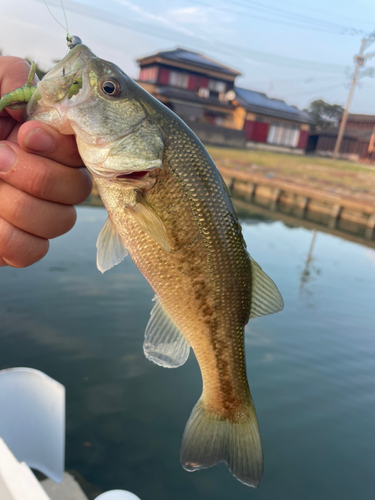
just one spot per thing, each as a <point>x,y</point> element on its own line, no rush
<point>297,20</point>
<point>337,14</point>
<point>306,80</point>
<point>275,20</point>
<point>293,22</point>
<point>213,46</point>
<point>316,91</point>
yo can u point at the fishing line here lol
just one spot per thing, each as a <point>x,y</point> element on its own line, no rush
<point>65,28</point>
<point>71,40</point>
<point>66,20</point>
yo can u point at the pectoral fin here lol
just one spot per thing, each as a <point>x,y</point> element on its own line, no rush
<point>265,297</point>
<point>151,223</point>
<point>111,251</point>
<point>164,344</point>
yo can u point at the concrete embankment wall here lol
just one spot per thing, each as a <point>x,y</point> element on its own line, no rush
<point>252,188</point>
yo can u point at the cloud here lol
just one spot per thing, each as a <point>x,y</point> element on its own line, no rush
<point>191,20</point>
<point>155,18</point>
<point>207,16</point>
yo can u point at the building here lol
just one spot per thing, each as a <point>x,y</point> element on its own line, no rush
<point>195,87</point>
<point>357,143</point>
<point>360,122</point>
<point>203,93</point>
<point>271,123</point>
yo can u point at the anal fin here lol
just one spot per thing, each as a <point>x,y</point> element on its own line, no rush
<point>164,344</point>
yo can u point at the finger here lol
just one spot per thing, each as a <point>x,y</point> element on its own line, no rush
<point>38,217</point>
<point>37,137</point>
<point>19,249</point>
<point>7,124</point>
<point>42,177</point>
<point>13,74</point>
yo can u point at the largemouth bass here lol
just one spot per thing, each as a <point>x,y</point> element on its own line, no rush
<point>169,208</point>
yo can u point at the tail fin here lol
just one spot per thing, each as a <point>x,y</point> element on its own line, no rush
<point>209,439</point>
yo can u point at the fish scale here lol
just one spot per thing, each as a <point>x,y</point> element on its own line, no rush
<point>218,228</point>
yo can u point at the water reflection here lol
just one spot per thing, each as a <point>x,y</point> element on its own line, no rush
<point>291,215</point>
<point>370,254</point>
<point>307,271</point>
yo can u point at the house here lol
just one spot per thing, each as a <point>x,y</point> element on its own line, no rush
<point>203,93</point>
<point>271,123</point>
<point>358,142</point>
<point>360,122</point>
<point>194,86</point>
<point>355,144</point>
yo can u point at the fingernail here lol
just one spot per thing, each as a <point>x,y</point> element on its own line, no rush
<point>7,158</point>
<point>39,141</point>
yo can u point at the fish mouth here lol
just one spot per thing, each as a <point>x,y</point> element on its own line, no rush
<point>135,176</point>
<point>139,179</point>
<point>61,88</point>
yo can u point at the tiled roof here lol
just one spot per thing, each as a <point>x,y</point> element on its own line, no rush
<point>353,117</point>
<point>193,58</point>
<point>257,102</point>
<point>190,95</point>
<point>361,135</point>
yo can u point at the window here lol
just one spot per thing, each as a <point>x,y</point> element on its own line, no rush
<point>148,74</point>
<point>284,134</point>
<point>217,86</point>
<point>204,93</point>
<point>179,79</point>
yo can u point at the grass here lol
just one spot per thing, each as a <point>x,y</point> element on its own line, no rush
<point>339,176</point>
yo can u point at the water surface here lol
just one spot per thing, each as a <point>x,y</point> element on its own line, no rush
<point>311,367</point>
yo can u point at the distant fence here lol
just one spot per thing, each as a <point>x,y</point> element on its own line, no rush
<point>220,136</point>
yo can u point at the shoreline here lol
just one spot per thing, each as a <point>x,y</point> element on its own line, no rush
<point>254,187</point>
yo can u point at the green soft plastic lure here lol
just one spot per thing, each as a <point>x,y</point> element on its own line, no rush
<point>18,98</point>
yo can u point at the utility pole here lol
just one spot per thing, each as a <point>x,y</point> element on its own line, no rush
<point>360,60</point>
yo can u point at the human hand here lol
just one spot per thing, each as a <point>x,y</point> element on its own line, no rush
<point>41,178</point>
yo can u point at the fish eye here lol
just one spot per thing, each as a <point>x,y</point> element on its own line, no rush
<point>111,87</point>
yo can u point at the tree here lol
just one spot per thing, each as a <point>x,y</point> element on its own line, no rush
<point>325,115</point>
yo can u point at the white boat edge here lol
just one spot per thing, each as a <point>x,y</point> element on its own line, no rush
<point>22,390</point>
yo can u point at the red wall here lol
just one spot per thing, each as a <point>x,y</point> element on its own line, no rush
<point>192,84</point>
<point>203,82</point>
<point>303,135</point>
<point>260,132</point>
<point>256,131</point>
<point>163,76</point>
<point>249,129</point>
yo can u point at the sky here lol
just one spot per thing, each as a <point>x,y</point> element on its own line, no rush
<point>293,50</point>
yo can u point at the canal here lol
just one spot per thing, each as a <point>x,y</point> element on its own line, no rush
<point>311,367</point>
